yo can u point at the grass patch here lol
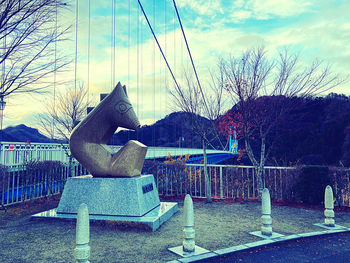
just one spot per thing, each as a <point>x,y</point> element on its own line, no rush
<point>218,225</point>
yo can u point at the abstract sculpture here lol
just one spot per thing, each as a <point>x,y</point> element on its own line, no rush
<point>88,141</point>
<point>116,190</point>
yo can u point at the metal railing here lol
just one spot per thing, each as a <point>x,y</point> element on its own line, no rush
<point>227,181</point>
<point>19,184</point>
<point>18,153</point>
<point>231,181</point>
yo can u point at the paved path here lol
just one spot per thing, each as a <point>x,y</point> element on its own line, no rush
<point>334,248</point>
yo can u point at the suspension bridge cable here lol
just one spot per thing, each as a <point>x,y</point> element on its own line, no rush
<point>129,30</point>
<point>114,42</point>
<point>76,44</point>
<point>154,77</point>
<point>138,58</point>
<point>160,48</point>
<point>189,53</point>
<point>194,68</point>
<point>177,137</point>
<point>174,28</point>
<point>55,69</point>
<point>89,37</point>
<point>165,50</point>
<point>141,73</point>
<point>138,66</point>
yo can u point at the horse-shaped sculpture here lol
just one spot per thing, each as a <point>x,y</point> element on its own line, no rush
<point>88,141</point>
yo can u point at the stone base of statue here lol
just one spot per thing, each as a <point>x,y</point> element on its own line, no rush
<point>119,198</point>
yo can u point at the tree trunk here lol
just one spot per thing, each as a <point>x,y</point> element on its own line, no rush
<point>71,167</point>
<point>259,171</point>
<point>206,177</point>
<point>259,166</point>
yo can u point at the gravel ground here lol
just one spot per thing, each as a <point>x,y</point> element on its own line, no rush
<point>218,225</point>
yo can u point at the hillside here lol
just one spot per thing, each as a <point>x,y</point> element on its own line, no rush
<point>22,133</point>
<point>165,132</point>
<point>320,133</point>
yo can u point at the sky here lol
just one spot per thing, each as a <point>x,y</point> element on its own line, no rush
<point>215,29</point>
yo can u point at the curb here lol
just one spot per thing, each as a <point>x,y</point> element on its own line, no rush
<point>235,249</point>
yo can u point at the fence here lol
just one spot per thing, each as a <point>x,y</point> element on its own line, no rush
<point>22,183</point>
<point>227,181</point>
<point>17,153</point>
<point>341,184</point>
<point>18,184</point>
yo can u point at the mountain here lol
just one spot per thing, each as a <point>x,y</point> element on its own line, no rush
<point>319,133</point>
<point>165,132</point>
<point>22,133</point>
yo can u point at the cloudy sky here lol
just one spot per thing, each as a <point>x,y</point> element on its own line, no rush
<point>317,29</point>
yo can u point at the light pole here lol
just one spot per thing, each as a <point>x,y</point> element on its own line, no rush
<point>2,107</point>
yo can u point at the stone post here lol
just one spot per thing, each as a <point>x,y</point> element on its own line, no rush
<point>329,206</point>
<point>189,233</point>
<point>266,228</point>
<point>82,250</point>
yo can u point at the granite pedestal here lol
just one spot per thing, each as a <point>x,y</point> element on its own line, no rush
<point>120,199</point>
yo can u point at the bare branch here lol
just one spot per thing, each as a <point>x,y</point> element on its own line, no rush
<point>189,98</point>
<point>262,90</point>
<point>28,33</point>
<point>64,113</point>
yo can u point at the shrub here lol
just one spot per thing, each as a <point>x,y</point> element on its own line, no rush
<point>311,184</point>
<point>47,172</point>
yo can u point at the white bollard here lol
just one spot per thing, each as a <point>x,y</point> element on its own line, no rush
<point>189,233</point>
<point>82,250</point>
<point>329,206</point>
<point>266,228</point>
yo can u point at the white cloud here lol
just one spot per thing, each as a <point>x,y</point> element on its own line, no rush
<point>277,8</point>
<point>203,7</point>
<point>324,35</point>
<point>240,15</point>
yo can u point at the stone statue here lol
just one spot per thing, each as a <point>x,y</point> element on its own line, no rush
<point>88,141</point>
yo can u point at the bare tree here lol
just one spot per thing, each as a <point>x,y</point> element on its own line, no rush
<point>28,34</point>
<point>262,89</point>
<point>63,113</point>
<point>200,102</point>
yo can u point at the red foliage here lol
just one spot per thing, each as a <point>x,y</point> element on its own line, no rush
<point>229,122</point>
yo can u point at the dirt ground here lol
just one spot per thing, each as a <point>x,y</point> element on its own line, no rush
<point>217,225</point>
